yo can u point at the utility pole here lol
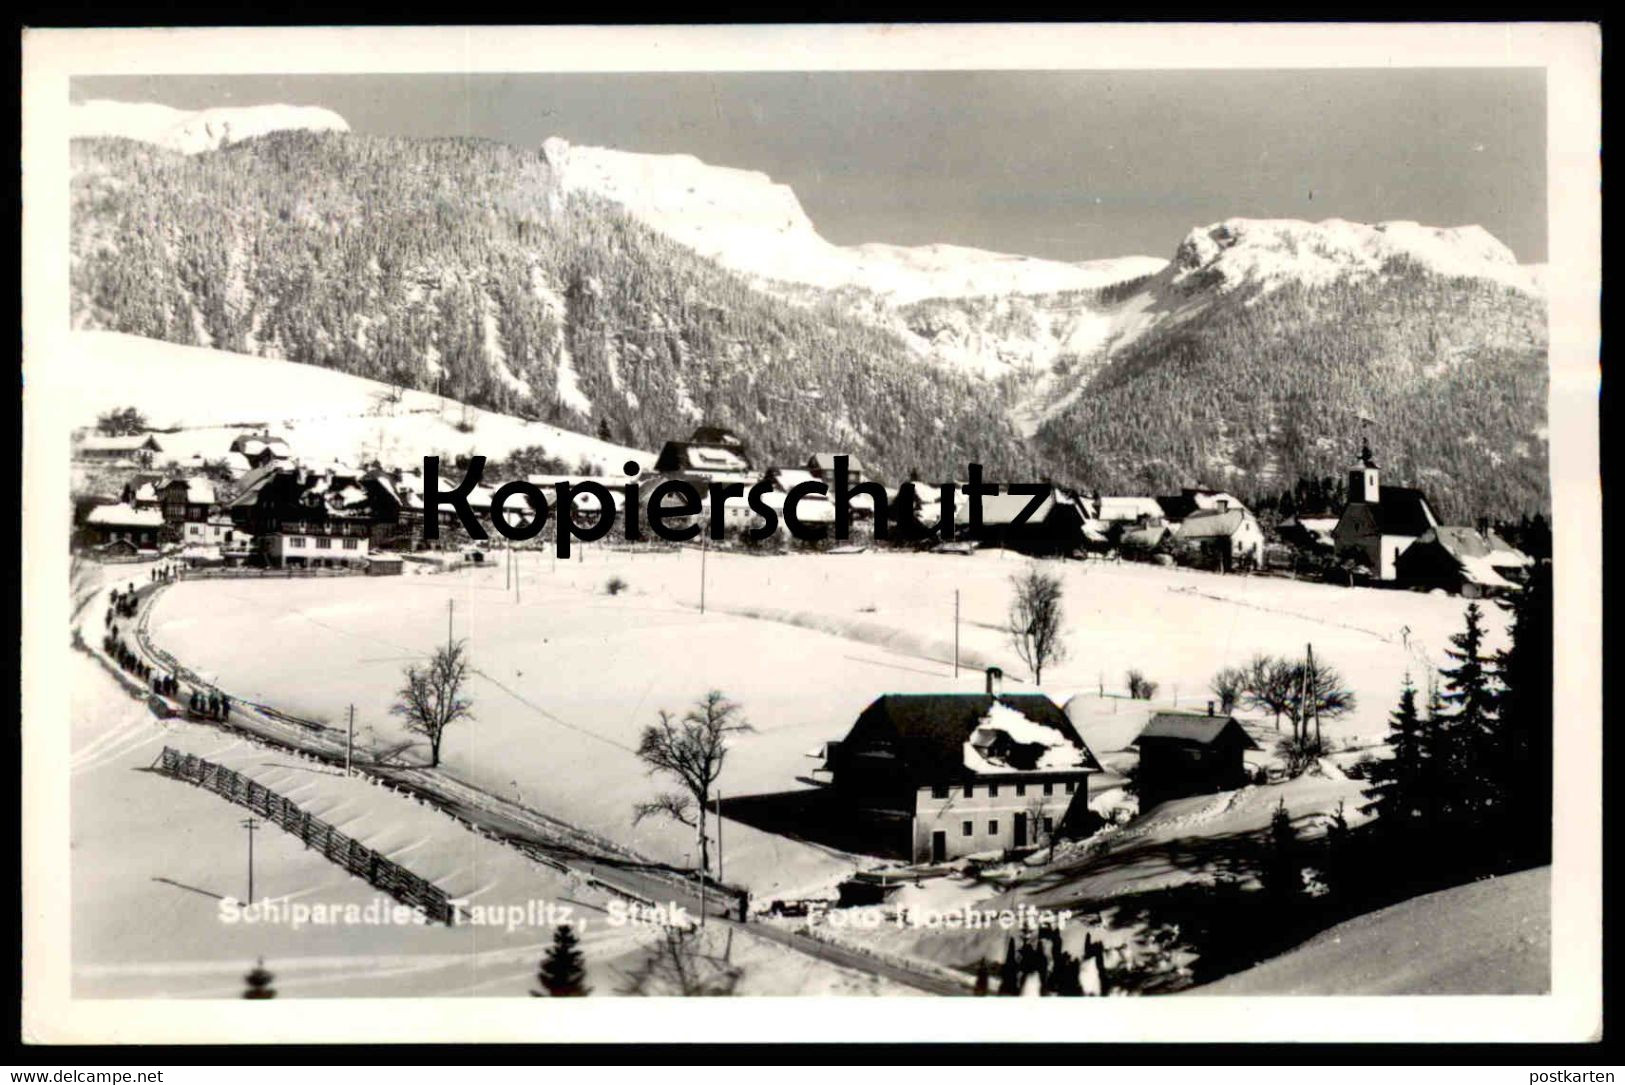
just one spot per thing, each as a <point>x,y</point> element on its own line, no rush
<point>956,632</point>
<point>1314,695</point>
<point>349,741</point>
<point>719,835</point>
<point>703,872</point>
<point>252,826</point>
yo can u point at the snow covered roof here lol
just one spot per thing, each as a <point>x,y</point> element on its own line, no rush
<point>930,735</point>
<point>1198,728</point>
<point>1212,524</point>
<point>1002,509</point>
<point>199,491</point>
<point>789,478</point>
<point>1128,508</point>
<point>134,442</point>
<point>146,494</point>
<point>1007,741</point>
<point>124,516</point>
<point>824,464</point>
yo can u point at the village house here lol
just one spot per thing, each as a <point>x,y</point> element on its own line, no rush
<point>711,454</point>
<point>132,450</point>
<point>1055,528</point>
<point>965,773</point>
<point>122,529</point>
<point>1228,538</point>
<point>1189,753</point>
<point>185,501</point>
<point>261,449</point>
<point>141,490</point>
<point>1471,563</point>
<point>821,465</point>
<point>1193,499</point>
<point>1380,522</point>
<point>302,518</point>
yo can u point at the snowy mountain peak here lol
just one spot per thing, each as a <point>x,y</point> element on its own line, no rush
<point>752,225</point>
<point>1268,252</point>
<point>195,131</point>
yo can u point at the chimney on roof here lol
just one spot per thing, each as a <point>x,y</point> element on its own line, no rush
<point>995,681</point>
<point>1210,708</point>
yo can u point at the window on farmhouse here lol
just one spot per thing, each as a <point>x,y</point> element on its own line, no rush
<point>1071,786</point>
<point>1021,789</point>
<point>992,791</point>
<point>324,544</point>
<point>296,542</point>
<point>1049,789</point>
<point>966,828</point>
<point>970,791</point>
<point>939,791</point>
<point>993,828</point>
<point>352,544</point>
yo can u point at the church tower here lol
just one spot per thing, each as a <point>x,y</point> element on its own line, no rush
<point>1364,481</point>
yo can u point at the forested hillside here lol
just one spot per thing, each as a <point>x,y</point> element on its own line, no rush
<point>453,266</point>
<point>1446,376</point>
<point>460,266</point>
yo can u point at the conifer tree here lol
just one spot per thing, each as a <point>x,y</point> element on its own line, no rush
<point>259,982</point>
<point>1524,705</point>
<point>563,972</point>
<point>1394,798</point>
<point>1472,786</point>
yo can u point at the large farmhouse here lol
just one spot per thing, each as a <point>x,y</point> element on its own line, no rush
<point>1470,562</point>
<point>1380,522</point>
<point>970,772</point>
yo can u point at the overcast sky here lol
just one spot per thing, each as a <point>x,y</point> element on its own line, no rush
<point>1068,165</point>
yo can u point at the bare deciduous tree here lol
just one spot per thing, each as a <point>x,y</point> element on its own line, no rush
<point>431,698</point>
<point>678,965</point>
<point>1228,685</point>
<point>1035,620</point>
<point>1269,686</point>
<point>691,750</point>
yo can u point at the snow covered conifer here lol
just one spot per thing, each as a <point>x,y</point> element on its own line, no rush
<point>259,982</point>
<point>563,972</point>
<point>1393,796</point>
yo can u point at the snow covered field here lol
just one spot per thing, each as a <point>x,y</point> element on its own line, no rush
<point>154,858</point>
<point>214,395</point>
<point>568,675</point>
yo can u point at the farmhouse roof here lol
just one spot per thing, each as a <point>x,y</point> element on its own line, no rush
<point>930,729</point>
<point>823,463</point>
<point>124,516</point>
<point>199,491</point>
<point>1128,508</point>
<point>1002,509</point>
<point>133,442</point>
<point>1212,524</point>
<point>1197,728</point>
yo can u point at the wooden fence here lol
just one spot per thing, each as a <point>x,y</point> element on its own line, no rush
<point>351,854</point>
<point>246,572</point>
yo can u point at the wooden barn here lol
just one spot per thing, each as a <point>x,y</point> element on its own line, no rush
<point>1190,753</point>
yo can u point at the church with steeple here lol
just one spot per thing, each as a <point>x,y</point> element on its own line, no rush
<point>1380,522</point>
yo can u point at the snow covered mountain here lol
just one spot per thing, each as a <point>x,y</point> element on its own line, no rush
<point>749,224</point>
<point>195,131</point>
<point>637,295</point>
